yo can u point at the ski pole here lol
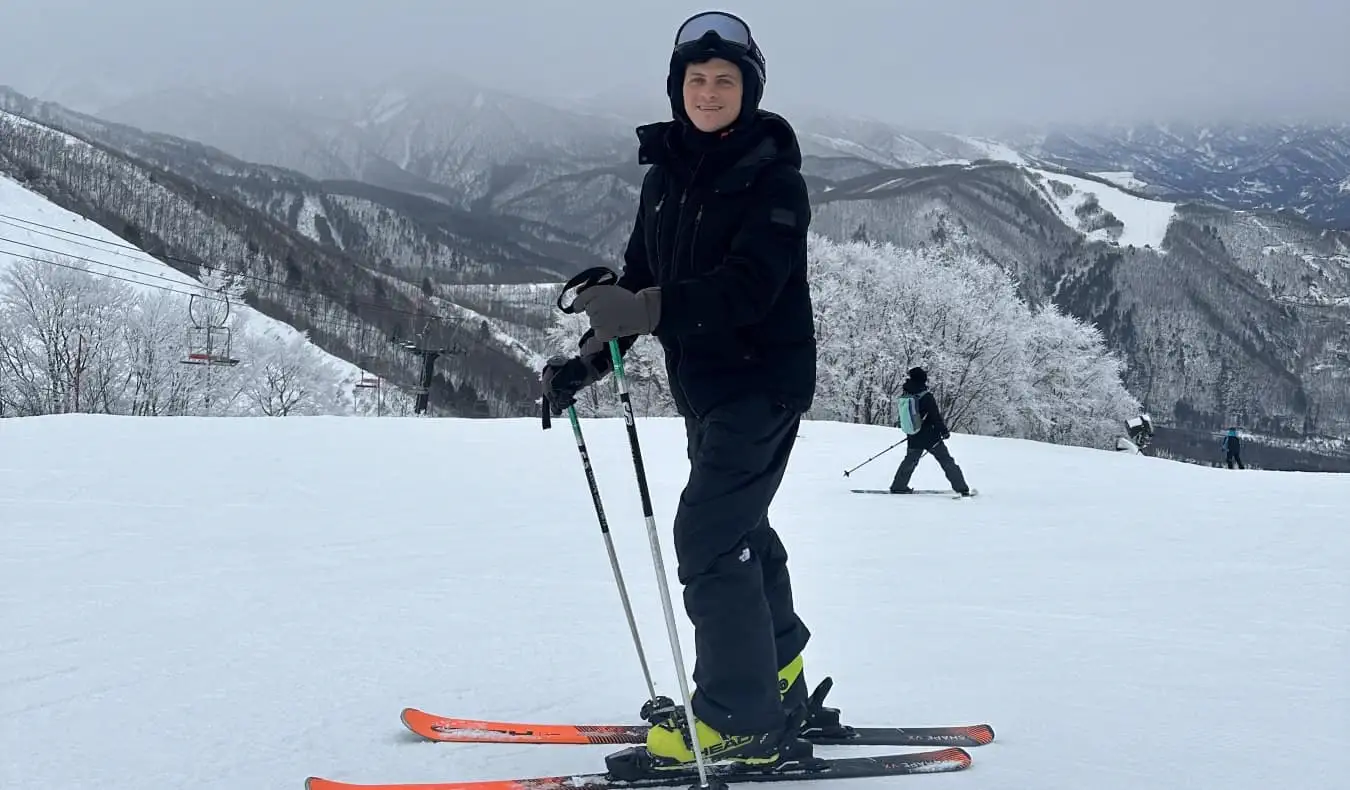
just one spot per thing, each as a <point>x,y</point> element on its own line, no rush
<point>875,457</point>
<point>600,275</point>
<point>657,560</point>
<point>613,558</point>
<point>655,701</point>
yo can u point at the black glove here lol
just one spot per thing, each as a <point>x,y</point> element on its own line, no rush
<point>595,350</point>
<point>946,436</point>
<point>563,377</point>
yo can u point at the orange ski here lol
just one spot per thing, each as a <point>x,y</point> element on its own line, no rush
<point>441,728</point>
<point>451,730</point>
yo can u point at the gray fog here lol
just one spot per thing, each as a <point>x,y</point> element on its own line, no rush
<point>941,63</point>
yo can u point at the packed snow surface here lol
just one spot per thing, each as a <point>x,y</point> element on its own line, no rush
<point>241,603</point>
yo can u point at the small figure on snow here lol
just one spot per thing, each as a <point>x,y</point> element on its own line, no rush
<point>716,270</point>
<point>920,417</point>
<point>1232,449</point>
<point>1141,433</point>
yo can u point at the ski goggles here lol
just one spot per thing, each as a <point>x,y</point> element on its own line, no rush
<point>728,27</point>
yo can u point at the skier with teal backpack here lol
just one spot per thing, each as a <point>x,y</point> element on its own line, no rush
<point>921,419</point>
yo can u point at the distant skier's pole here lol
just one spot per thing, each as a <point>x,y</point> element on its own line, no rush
<point>875,457</point>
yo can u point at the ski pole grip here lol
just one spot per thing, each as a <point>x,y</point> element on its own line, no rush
<point>596,275</point>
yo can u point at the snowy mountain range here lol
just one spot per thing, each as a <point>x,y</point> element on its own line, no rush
<point>356,265</point>
<point>488,147</point>
<point>448,194</point>
<point>1302,168</point>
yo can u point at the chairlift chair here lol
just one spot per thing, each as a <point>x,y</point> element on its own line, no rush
<point>208,343</point>
<point>209,346</point>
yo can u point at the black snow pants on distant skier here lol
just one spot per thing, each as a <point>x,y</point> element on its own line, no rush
<point>733,565</point>
<point>944,458</point>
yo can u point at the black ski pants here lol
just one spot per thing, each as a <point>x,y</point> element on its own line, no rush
<point>944,459</point>
<point>1234,458</point>
<point>733,565</point>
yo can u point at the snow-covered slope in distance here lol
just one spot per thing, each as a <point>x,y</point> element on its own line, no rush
<point>1145,221</point>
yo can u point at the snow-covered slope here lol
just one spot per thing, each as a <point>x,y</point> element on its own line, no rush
<point>243,603</point>
<point>1122,178</point>
<point>1091,206</point>
<point>32,227</point>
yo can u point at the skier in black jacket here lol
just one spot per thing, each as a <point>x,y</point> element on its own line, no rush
<point>930,438</point>
<point>715,268</point>
<point>1232,449</point>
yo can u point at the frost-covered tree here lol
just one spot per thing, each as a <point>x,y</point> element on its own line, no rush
<point>1073,392</point>
<point>59,337</point>
<point>288,376</point>
<point>995,366</point>
<point>881,310</point>
<point>158,383</point>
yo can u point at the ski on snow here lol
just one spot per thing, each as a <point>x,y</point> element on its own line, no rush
<point>451,730</point>
<point>937,761</point>
<point>918,491</point>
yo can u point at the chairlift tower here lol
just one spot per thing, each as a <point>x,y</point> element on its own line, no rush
<point>429,357</point>
<point>421,349</point>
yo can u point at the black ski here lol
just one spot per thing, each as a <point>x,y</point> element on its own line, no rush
<point>931,762</point>
<point>918,491</point>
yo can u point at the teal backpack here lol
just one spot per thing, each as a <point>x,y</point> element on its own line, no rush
<point>909,419</point>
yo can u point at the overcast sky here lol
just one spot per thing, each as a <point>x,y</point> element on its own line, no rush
<point>921,63</point>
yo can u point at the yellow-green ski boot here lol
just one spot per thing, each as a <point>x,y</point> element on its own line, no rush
<point>807,715</point>
<point>669,746</point>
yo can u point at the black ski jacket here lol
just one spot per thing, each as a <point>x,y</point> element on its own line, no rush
<point>722,231</point>
<point>934,426</point>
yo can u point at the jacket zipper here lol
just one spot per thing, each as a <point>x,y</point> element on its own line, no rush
<point>660,204</point>
<point>693,240</point>
<point>679,220</point>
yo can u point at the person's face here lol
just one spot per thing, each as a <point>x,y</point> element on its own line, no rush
<point>712,94</point>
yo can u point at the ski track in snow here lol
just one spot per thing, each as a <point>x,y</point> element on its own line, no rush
<point>241,603</point>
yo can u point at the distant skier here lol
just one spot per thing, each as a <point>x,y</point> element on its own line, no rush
<point>715,268</point>
<point>1141,431</point>
<point>1232,449</point>
<point>920,417</point>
